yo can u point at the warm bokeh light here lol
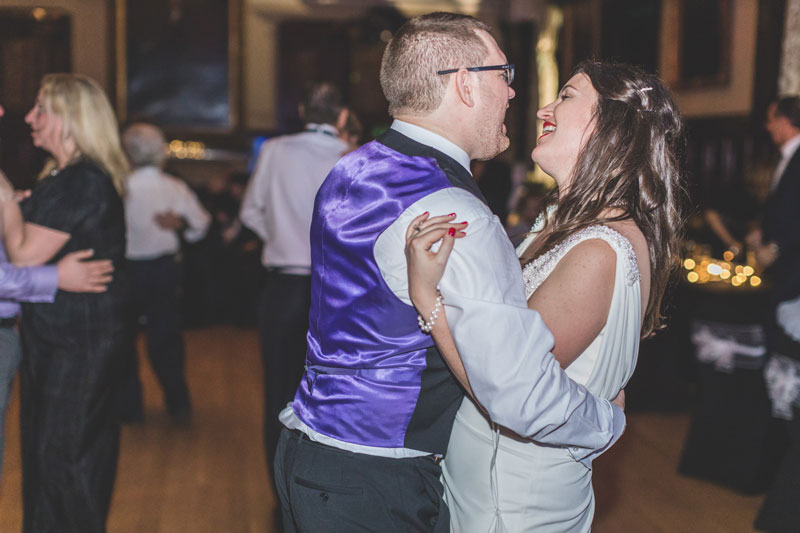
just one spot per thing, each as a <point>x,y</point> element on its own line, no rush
<point>187,149</point>
<point>728,255</point>
<point>703,268</point>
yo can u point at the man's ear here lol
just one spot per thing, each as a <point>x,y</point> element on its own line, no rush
<point>465,87</point>
<point>341,120</point>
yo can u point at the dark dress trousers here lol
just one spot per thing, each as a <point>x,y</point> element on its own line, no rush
<point>156,286</point>
<point>283,323</point>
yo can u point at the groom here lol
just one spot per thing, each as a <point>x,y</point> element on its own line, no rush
<point>372,415</point>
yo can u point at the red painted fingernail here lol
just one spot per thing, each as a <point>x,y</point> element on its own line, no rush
<point>452,232</point>
<point>425,213</point>
<point>451,215</point>
<point>465,223</point>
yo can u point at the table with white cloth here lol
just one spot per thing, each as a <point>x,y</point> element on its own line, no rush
<point>733,440</point>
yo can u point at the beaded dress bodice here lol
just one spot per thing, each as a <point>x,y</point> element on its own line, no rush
<point>607,364</point>
<point>537,270</point>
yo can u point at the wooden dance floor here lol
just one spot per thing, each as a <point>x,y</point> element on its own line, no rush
<point>211,476</point>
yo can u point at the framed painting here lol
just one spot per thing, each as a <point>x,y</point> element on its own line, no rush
<point>704,43</point>
<point>177,63</point>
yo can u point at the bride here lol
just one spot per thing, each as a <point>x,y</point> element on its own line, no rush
<point>595,268</point>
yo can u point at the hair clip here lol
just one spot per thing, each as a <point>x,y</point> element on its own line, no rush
<point>645,89</point>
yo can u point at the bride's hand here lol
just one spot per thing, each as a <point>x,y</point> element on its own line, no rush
<point>425,267</point>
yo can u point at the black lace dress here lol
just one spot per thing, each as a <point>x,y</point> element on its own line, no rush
<point>74,351</point>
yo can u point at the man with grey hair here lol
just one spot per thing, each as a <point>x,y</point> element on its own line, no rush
<point>371,419</point>
<point>158,207</point>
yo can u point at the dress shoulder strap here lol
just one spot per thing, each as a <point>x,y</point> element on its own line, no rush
<point>537,270</point>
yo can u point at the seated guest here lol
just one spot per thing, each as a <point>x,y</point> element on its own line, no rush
<point>159,208</point>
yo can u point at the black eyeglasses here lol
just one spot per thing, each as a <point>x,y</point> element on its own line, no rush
<point>508,71</point>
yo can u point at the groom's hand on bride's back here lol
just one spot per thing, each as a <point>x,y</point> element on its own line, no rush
<point>619,401</point>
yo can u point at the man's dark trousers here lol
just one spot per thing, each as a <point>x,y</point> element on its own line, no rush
<point>283,323</point>
<point>156,297</point>
<point>321,488</point>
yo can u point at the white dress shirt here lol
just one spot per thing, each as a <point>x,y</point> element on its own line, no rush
<point>279,200</point>
<point>150,192</point>
<point>504,345</point>
<point>787,152</point>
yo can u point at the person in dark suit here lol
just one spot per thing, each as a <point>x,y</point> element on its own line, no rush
<point>777,248</point>
<point>777,244</point>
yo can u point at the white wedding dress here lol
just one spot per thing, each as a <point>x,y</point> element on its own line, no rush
<point>497,481</point>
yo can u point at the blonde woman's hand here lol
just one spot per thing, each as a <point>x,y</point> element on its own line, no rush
<point>425,266</point>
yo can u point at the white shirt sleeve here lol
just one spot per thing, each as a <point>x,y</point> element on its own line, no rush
<point>505,347</point>
<point>196,217</point>
<point>252,213</point>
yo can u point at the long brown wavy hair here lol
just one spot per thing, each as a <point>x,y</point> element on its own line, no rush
<point>633,163</point>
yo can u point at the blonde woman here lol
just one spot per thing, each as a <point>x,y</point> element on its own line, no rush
<point>74,346</point>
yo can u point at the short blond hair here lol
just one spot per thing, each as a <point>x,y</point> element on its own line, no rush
<point>88,120</point>
<point>423,46</point>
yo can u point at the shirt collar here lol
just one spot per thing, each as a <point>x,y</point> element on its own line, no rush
<point>146,170</point>
<point>790,147</point>
<point>434,140</point>
<point>327,129</point>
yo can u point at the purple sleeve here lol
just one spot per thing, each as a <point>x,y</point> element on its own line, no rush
<point>28,284</point>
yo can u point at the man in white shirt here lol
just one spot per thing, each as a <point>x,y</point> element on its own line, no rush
<point>158,207</point>
<point>373,413</point>
<point>277,206</point>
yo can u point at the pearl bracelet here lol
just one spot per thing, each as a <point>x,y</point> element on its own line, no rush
<point>426,327</point>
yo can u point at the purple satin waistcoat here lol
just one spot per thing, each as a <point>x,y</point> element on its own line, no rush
<point>366,354</point>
